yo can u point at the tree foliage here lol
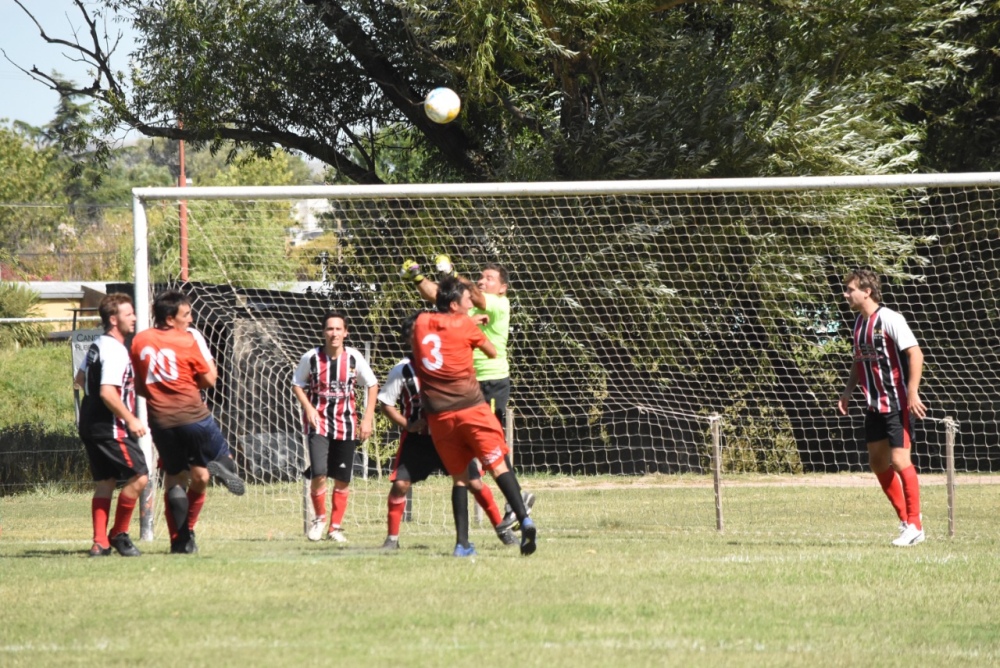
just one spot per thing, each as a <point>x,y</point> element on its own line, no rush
<point>566,90</point>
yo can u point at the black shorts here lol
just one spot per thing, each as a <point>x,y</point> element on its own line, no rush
<point>111,458</point>
<point>417,459</point>
<point>188,445</point>
<point>497,394</point>
<point>330,454</point>
<point>895,426</point>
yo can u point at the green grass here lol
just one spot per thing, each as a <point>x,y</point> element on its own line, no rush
<point>36,388</point>
<point>630,574</point>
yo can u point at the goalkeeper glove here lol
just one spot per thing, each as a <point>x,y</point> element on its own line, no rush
<point>411,271</point>
<point>443,264</point>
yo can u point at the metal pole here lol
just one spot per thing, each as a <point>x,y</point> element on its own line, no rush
<point>950,427</point>
<point>182,182</point>
<point>140,256</point>
<point>717,468</point>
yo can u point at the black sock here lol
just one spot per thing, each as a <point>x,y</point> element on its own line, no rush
<point>460,507</point>
<point>178,501</point>
<point>507,482</point>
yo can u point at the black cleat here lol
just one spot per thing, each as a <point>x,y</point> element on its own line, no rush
<point>528,534</point>
<point>184,544</point>
<point>124,546</point>
<point>224,470</point>
<point>98,551</point>
<point>390,544</point>
<point>509,520</point>
<point>506,536</point>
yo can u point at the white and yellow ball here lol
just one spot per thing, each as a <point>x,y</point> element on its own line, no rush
<point>442,105</point>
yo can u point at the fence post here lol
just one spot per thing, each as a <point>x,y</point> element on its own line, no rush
<point>950,427</point>
<point>717,468</point>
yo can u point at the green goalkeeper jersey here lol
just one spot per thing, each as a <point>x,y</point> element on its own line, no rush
<point>496,330</point>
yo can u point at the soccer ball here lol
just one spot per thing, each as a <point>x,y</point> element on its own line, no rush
<point>442,105</point>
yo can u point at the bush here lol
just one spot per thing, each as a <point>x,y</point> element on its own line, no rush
<point>19,301</point>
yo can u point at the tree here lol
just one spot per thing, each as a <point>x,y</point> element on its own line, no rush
<point>589,89</point>
<point>32,197</point>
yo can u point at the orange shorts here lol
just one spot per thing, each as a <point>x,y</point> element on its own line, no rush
<point>468,433</point>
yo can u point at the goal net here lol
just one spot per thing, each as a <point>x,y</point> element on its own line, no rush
<point>642,314</point>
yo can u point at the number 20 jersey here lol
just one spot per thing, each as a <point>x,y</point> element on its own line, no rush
<point>166,363</point>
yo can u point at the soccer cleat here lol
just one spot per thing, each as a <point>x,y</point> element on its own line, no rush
<point>124,546</point>
<point>390,544</point>
<point>96,550</point>
<point>224,469</point>
<point>443,264</point>
<point>506,536</point>
<point>184,544</point>
<point>528,537</point>
<point>509,520</point>
<point>910,537</point>
<point>460,551</point>
<point>316,528</point>
<point>411,271</point>
<point>902,527</point>
<point>337,536</point>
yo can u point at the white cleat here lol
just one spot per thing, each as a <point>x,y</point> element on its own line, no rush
<point>337,536</point>
<point>316,529</point>
<point>912,536</point>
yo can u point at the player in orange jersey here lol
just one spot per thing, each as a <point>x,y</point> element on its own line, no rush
<point>172,365</point>
<point>461,423</point>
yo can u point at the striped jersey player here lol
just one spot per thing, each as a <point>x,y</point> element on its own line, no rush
<point>109,428</point>
<point>888,365</point>
<point>324,384</point>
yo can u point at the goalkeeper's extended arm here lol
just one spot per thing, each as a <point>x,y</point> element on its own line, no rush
<point>411,271</point>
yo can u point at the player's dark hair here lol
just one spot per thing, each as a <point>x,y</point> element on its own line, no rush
<point>867,280</point>
<point>500,269</point>
<point>450,289</point>
<point>109,307</point>
<point>406,329</point>
<point>166,304</point>
<point>335,314</point>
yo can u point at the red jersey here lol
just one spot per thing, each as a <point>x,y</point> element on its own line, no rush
<point>442,355</point>
<point>166,363</point>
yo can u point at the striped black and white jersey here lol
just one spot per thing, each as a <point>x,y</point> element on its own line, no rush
<point>107,363</point>
<point>402,390</point>
<point>883,371</point>
<point>330,383</point>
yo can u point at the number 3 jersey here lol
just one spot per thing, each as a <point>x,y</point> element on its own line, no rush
<point>442,355</point>
<point>107,363</point>
<point>329,383</point>
<point>167,362</point>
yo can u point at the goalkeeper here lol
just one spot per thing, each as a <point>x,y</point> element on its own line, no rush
<point>491,313</point>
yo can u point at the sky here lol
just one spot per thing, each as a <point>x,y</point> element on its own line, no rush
<point>21,97</point>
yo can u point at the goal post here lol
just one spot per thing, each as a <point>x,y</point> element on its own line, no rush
<point>665,328</point>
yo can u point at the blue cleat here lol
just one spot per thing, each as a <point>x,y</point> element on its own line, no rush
<point>465,551</point>
<point>528,536</point>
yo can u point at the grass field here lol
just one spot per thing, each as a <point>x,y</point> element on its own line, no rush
<point>629,574</point>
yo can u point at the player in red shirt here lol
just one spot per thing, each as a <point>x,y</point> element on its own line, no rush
<point>109,428</point>
<point>461,423</point>
<point>172,366</point>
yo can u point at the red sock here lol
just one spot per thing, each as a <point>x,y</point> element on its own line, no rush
<point>894,490</point>
<point>169,515</point>
<point>911,490</point>
<point>319,502</point>
<point>123,514</point>
<point>100,508</point>
<point>339,506</point>
<point>397,504</point>
<point>195,502</point>
<point>484,497</point>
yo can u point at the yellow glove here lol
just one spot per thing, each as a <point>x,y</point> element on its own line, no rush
<point>411,271</point>
<point>443,265</point>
